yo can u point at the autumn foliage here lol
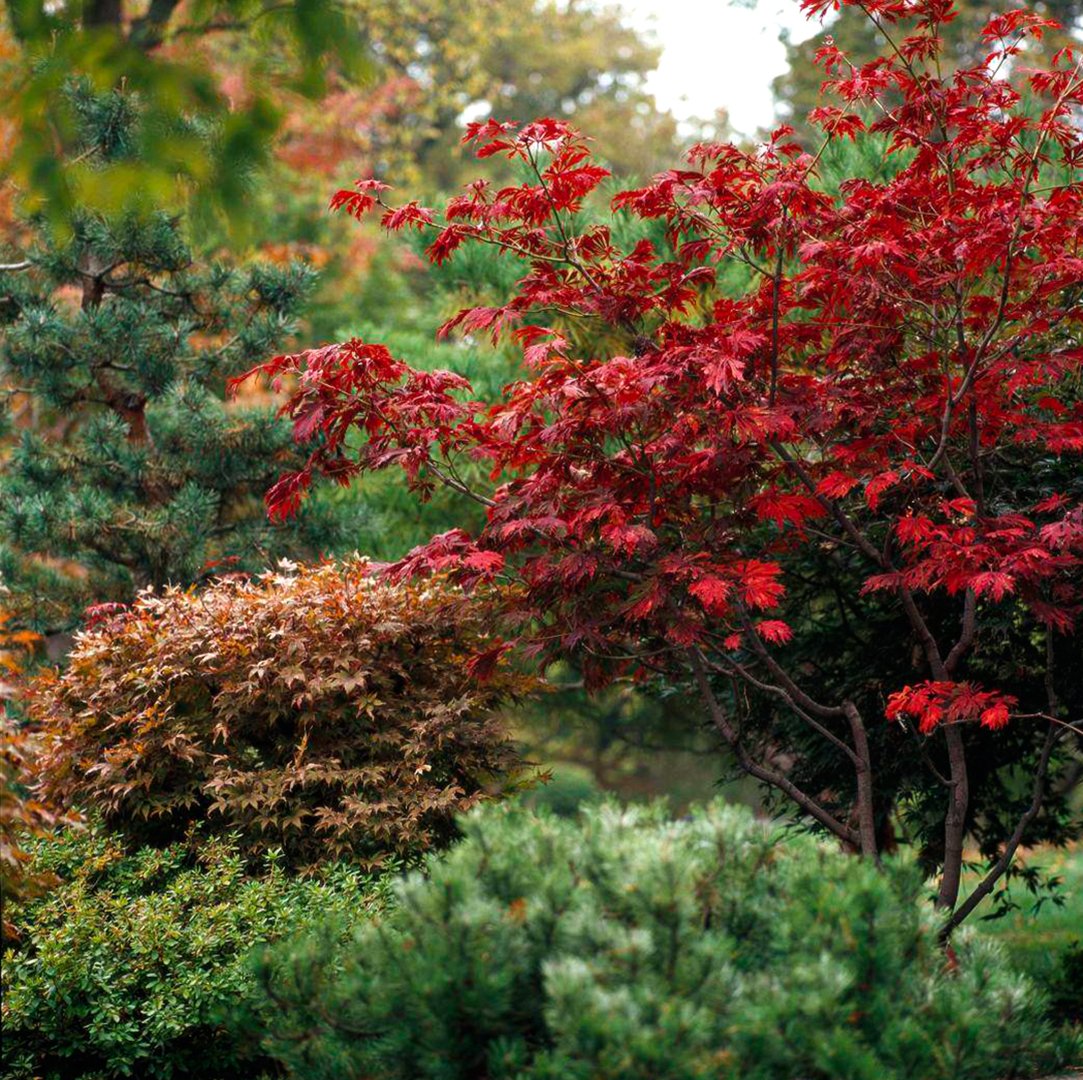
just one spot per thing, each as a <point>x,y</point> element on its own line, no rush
<point>21,815</point>
<point>896,388</point>
<point>318,710</point>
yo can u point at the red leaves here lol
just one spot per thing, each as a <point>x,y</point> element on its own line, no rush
<point>100,614</point>
<point>758,583</point>
<point>491,319</point>
<point>837,485</point>
<point>783,508</point>
<point>993,584</point>
<point>411,215</point>
<point>878,485</point>
<point>932,703</point>
<point>873,384</point>
<point>284,497</point>
<point>996,716</point>
<point>836,121</point>
<point>364,197</point>
<point>1016,21</point>
<point>482,666</point>
<point>774,631</point>
<point>723,371</point>
<point>486,563</point>
<point>447,243</point>
<point>713,593</point>
<point>628,538</point>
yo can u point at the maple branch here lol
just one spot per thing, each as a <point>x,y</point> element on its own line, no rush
<point>959,785</point>
<point>920,743</point>
<point>830,505</point>
<point>866,804</point>
<point>1075,729</point>
<point>780,673</point>
<point>761,772</point>
<point>453,482</point>
<point>959,794</point>
<point>732,667</point>
<point>925,635</point>
<point>572,261</point>
<point>776,288</point>
<point>858,753</point>
<point>966,637</point>
<point>955,819</point>
<point>1000,867</point>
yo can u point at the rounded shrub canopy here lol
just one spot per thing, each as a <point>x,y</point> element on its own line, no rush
<point>133,964</point>
<point>317,710</point>
<point>630,947</point>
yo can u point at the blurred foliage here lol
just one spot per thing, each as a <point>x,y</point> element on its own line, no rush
<point>569,788</point>
<point>22,816</point>
<point>1044,934</point>
<point>437,64</point>
<point>191,132</point>
<point>626,946</point>
<point>124,464</point>
<point>444,59</point>
<point>1066,1001</point>
<point>132,965</point>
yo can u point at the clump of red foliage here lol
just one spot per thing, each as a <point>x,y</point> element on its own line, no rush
<point>317,710</point>
<point>907,344</point>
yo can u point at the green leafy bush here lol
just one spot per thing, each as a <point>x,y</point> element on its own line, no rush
<point>569,787</point>
<point>1066,986</point>
<point>630,946</point>
<point>132,964</point>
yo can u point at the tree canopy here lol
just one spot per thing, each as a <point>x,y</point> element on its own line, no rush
<point>895,388</point>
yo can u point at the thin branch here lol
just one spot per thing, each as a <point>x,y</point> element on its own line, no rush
<point>762,772</point>
<point>985,886</point>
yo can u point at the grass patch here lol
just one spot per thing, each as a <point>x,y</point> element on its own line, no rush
<point>1037,936</point>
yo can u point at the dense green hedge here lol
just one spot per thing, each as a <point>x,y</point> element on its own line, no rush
<point>134,964</point>
<point>629,946</point>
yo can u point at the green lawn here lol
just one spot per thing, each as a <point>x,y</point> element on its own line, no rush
<point>1037,939</point>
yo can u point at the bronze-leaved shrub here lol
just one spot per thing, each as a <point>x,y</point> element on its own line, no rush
<point>317,710</point>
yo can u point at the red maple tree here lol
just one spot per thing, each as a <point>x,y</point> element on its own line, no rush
<point>907,346</point>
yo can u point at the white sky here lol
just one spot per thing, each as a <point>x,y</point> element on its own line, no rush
<point>717,54</point>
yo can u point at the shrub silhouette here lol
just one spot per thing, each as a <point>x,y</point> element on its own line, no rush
<point>318,710</point>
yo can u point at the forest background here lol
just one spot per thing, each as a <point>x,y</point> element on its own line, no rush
<point>254,115</point>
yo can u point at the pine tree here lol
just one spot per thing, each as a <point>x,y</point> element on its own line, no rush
<point>126,465</point>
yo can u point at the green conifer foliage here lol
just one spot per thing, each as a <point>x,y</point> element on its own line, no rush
<point>125,465</point>
<point>626,946</point>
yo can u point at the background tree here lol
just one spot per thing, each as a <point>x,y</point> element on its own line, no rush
<point>124,466</point>
<point>437,63</point>
<point>192,129</point>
